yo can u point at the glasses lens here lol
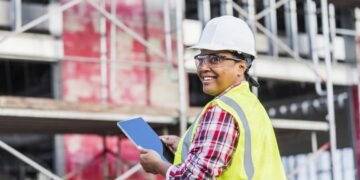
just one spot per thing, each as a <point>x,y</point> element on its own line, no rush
<point>209,59</point>
<point>198,59</point>
<point>214,60</point>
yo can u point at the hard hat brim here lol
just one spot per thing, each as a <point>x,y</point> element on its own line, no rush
<point>214,47</point>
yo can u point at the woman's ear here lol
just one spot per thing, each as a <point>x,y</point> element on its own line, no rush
<point>241,68</point>
<point>242,65</point>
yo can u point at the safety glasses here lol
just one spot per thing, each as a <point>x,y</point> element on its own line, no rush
<point>212,60</point>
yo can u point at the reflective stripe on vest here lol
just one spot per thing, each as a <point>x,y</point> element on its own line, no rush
<point>248,164</point>
<point>186,143</point>
<point>188,139</point>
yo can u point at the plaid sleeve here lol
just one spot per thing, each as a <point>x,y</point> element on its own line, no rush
<point>213,144</point>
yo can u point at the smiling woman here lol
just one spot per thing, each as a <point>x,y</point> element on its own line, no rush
<point>219,73</point>
<point>232,137</point>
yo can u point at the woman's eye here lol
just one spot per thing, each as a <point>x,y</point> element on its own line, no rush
<point>215,60</point>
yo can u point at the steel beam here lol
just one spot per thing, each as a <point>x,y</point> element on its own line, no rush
<point>204,11</point>
<point>16,14</point>
<point>183,97</point>
<point>103,57</point>
<point>281,44</point>
<point>226,7</point>
<point>113,52</point>
<point>292,25</point>
<point>40,19</point>
<point>297,124</point>
<point>130,172</point>
<point>85,116</point>
<point>28,161</point>
<point>271,25</point>
<point>329,88</point>
<point>168,40</point>
<point>264,12</point>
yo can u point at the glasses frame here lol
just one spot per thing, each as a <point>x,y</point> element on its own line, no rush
<point>221,58</point>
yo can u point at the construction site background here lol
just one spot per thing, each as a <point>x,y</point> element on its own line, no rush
<point>70,69</point>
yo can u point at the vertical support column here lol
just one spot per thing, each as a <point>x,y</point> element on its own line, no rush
<point>291,26</point>
<point>118,157</point>
<point>168,41</point>
<point>252,23</point>
<point>60,159</point>
<point>103,58</point>
<point>271,24</point>
<point>57,77</point>
<point>252,13</point>
<point>147,56</point>
<point>113,53</point>
<point>204,12</point>
<point>226,7</point>
<point>357,28</point>
<point>105,160</point>
<point>183,101</point>
<point>332,23</point>
<point>314,144</point>
<point>311,28</point>
<point>16,15</point>
<point>329,88</point>
<point>245,6</point>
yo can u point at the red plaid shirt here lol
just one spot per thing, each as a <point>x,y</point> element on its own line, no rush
<point>214,142</point>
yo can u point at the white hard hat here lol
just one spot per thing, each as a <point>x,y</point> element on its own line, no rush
<point>227,33</point>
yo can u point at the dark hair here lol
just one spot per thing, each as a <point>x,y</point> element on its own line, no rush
<point>249,60</point>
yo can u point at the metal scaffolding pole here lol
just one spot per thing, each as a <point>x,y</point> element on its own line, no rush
<point>130,172</point>
<point>311,26</point>
<point>204,11</point>
<point>252,22</point>
<point>105,159</point>
<point>332,22</point>
<point>226,7</point>
<point>103,59</point>
<point>252,15</point>
<point>291,25</point>
<point>274,38</point>
<point>271,25</point>
<point>113,52</point>
<point>28,161</point>
<point>41,19</point>
<point>16,15</point>
<point>329,88</point>
<point>168,40</point>
<point>267,10</point>
<point>181,68</point>
<point>59,155</point>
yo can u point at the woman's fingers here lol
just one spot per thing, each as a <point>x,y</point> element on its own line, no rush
<point>169,139</point>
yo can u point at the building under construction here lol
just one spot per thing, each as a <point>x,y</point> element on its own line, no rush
<point>71,69</point>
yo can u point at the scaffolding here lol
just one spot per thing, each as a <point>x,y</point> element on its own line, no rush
<point>291,48</point>
<point>246,9</point>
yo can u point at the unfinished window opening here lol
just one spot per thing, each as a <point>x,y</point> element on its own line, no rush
<point>24,78</point>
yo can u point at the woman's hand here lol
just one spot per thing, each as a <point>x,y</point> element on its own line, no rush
<point>152,162</point>
<point>171,141</point>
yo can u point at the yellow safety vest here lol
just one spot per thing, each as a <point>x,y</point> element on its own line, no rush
<point>256,155</point>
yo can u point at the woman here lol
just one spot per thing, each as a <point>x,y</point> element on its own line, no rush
<point>232,138</point>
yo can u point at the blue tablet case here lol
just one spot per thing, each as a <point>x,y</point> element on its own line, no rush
<point>141,134</point>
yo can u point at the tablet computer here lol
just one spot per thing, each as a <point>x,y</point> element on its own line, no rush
<point>141,134</point>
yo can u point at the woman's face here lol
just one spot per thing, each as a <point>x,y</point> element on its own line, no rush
<point>217,78</point>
